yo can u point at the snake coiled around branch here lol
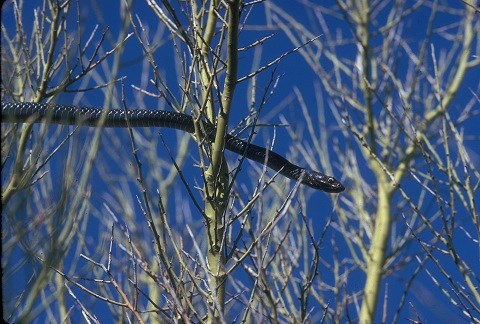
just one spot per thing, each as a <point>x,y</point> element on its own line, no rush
<point>21,112</point>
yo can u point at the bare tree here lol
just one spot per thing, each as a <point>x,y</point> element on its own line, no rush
<point>137,225</point>
<point>394,103</point>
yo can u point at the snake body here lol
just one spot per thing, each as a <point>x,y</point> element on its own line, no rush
<point>87,116</point>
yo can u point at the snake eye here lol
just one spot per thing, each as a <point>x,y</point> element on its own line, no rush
<point>330,180</point>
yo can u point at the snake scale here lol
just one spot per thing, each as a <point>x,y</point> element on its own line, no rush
<point>21,112</point>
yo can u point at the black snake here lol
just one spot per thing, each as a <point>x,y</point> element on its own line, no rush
<point>87,116</point>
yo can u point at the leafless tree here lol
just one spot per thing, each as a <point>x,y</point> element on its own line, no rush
<point>137,225</point>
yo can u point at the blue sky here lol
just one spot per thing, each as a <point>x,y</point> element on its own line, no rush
<point>291,73</point>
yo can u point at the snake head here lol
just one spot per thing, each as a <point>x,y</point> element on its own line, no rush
<point>321,181</point>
